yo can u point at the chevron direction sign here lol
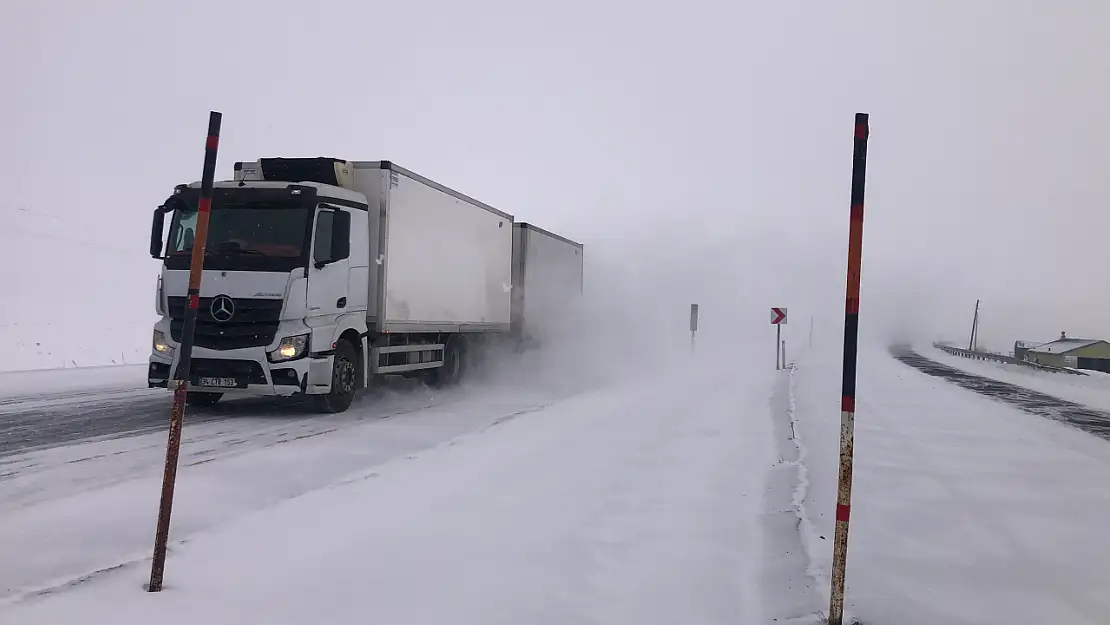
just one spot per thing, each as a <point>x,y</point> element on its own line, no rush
<point>778,316</point>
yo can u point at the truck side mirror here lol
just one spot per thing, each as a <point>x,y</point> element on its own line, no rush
<point>156,232</point>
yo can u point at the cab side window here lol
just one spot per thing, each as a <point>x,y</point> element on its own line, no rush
<point>332,237</point>
<point>325,225</point>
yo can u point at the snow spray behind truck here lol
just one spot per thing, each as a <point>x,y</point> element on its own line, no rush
<point>322,274</point>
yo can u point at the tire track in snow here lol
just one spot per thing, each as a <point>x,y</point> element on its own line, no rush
<point>38,475</point>
<point>443,419</point>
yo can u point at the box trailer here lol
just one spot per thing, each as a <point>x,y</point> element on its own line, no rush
<point>548,271</point>
<point>321,274</point>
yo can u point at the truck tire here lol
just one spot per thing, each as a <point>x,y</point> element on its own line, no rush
<point>454,366</point>
<point>196,398</point>
<point>343,384</point>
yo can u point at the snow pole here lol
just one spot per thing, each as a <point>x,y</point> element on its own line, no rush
<point>184,363</point>
<point>778,346</point>
<point>974,328</point>
<point>848,394</point>
<point>693,325</point>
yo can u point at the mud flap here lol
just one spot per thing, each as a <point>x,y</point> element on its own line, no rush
<point>319,376</point>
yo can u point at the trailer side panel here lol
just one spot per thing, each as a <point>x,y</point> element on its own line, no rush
<point>448,263</point>
<point>549,277</point>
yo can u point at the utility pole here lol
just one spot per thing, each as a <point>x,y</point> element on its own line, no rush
<point>974,328</point>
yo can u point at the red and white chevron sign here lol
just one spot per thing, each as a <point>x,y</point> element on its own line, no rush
<point>778,316</point>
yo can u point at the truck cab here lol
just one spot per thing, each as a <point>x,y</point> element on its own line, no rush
<point>280,288</point>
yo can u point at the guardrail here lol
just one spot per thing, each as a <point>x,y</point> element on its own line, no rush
<point>967,353</point>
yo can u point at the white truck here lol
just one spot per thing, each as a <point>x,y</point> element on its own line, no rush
<point>322,274</point>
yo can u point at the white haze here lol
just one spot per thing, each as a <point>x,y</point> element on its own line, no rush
<point>702,153</point>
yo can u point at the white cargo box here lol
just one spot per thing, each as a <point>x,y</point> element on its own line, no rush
<point>547,276</point>
<point>444,260</point>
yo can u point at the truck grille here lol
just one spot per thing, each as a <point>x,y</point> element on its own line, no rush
<point>253,323</point>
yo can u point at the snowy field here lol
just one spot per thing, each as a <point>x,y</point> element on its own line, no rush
<point>965,510</point>
<point>22,385</point>
<point>1090,390</point>
<point>95,322</point>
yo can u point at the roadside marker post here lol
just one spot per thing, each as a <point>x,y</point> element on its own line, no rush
<point>693,324</point>
<point>778,319</point>
<point>971,344</point>
<point>184,364</point>
<point>848,399</point>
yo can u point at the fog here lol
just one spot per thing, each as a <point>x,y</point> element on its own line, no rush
<point>701,151</point>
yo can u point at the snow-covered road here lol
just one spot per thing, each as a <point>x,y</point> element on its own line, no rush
<point>1091,390</point>
<point>40,409</point>
<point>67,510</point>
<point>638,503</point>
<point>698,495</point>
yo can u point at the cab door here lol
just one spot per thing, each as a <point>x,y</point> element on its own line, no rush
<point>330,263</point>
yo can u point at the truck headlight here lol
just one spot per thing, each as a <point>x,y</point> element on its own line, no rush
<point>160,345</point>
<point>290,348</point>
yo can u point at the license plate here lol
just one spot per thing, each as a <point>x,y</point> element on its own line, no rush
<point>218,382</point>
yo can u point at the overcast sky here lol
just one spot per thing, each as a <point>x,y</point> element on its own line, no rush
<point>703,139</point>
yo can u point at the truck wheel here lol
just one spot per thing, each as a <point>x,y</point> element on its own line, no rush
<point>195,398</point>
<point>454,365</point>
<point>343,383</point>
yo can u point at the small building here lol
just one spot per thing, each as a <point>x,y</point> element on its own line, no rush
<point>1092,354</point>
<point>1021,348</point>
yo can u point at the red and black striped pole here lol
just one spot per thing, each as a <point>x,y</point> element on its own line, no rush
<point>185,351</point>
<point>848,394</point>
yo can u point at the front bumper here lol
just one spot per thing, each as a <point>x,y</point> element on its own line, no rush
<point>245,372</point>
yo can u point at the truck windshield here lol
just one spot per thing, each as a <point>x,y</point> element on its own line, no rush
<point>251,236</point>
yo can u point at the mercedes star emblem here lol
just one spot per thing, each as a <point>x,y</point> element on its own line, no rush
<point>222,308</point>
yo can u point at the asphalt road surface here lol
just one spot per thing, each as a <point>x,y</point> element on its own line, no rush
<point>49,420</point>
<point>1088,419</point>
<point>31,422</point>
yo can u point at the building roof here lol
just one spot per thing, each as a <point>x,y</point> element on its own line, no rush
<point>1064,346</point>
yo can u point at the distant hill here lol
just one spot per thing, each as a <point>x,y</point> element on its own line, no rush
<point>78,290</point>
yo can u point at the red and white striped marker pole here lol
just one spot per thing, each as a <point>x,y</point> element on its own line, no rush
<point>185,351</point>
<point>848,400</point>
